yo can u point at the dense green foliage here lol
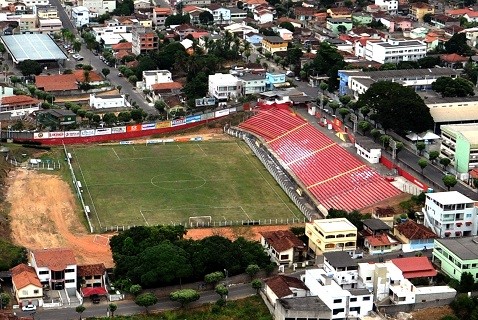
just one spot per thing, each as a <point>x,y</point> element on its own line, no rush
<point>397,107</point>
<point>30,67</point>
<point>355,217</point>
<point>11,255</point>
<point>449,87</point>
<point>184,296</point>
<point>155,256</point>
<point>457,44</point>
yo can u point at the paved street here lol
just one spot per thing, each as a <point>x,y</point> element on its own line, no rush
<point>128,307</point>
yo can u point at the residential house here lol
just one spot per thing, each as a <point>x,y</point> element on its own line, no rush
<point>283,247</point>
<point>331,235</point>
<point>471,16</point>
<point>165,90</point>
<point>415,267</point>
<point>241,29</point>
<point>395,51</point>
<point>56,83</point>
<point>282,286</point>
<point>352,303</point>
<point>285,34</point>
<point>144,40</point>
<point>252,4</point>
<point>304,14</point>
<point>253,38</point>
<point>381,243</point>
<point>375,227</point>
<point>396,23</point>
<point>26,285</point>
<point>385,214</point>
<point>391,6</point>
<point>140,5</point>
<point>122,49</point>
<point>455,256</point>
<point>459,143</point>
<point>275,80</point>
<point>237,14</point>
<point>273,44</point>
<point>80,16</point>
<point>19,106</point>
<point>419,9</point>
<point>339,25</point>
<point>253,83</point>
<point>263,16</point>
<point>160,15</point>
<point>224,86</point>
<point>151,77</point>
<point>92,275</point>
<point>49,25</point>
<point>55,267</point>
<point>56,118</point>
<point>343,268</point>
<point>26,22</point>
<point>471,36</point>
<point>201,3</point>
<point>450,214</point>
<point>339,13</point>
<point>46,12</point>
<point>442,20</point>
<point>107,101</point>
<point>361,18</point>
<point>98,7</point>
<point>414,236</point>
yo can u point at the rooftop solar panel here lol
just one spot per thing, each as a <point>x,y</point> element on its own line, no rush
<point>32,47</point>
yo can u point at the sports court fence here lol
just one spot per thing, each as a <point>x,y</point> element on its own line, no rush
<point>78,189</point>
<point>275,169</point>
<point>219,223</point>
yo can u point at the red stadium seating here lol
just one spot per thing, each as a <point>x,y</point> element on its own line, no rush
<point>335,177</point>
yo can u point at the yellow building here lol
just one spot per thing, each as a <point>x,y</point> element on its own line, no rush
<point>340,13</point>
<point>419,9</point>
<point>273,44</point>
<point>327,235</point>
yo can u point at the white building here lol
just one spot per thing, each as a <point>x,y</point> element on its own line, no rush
<point>283,246</point>
<point>343,268</point>
<point>151,77</point>
<point>221,15</point>
<point>98,7</point>
<point>389,5</point>
<point>263,16</point>
<point>394,51</point>
<point>224,86</point>
<point>343,303</point>
<point>282,286</point>
<point>80,16</point>
<point>56,268</point>
<point>104,32</point>
<point>450,214</point>
<point>32,3</point>
<point>49,25</point>
<point>107,101</point>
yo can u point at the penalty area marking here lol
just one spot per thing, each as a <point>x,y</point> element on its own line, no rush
<point>117,156</point>
<point>141,211</point>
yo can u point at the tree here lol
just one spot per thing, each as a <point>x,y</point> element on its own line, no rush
<point>221,290</point>
<point>135,289</point>
<point>445,162</point>
<point>449,87</point>
<point>4,299</point>
<point>252,270</point>
<point>29,67</point>
<point>365,111</point>
<point>420,145</point>
<point>341,28</point>
<point>365,126</point>
<point>124,116</point>
<point>112,307</point>
<point>184,296</point>
<point>327,61</point>
<point>119,88</point>
<point>257,285</point>
<point>344,112</point>
<point>146,300</point>
<point>427,17</point>
<point>79,309</point>
<point>176,19</point>
<point>463,306</point>
<point>137,115</point>
<point>457,44</point>
<point>213,278</point>
<point>375,134</point>
<point>334,105</point>
<point>105,71</point>
<point>422,163</point>
<point>287,25</point>
<point>110,118</point>
<point>433,155</point>
<point>206,17</point>
<point>387,100</point>
<point>449,181</point>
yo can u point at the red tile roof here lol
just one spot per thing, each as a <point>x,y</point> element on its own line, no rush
<point>453,58</point>
<point>23,275</point>
<point>56,259</point>
<point>281,285</point>
<point>122,46</point>
<point>282,240</point>
<point>80,76</point>
<point>381,240</point>
<point>414,231</point>
<point>162,10</point>
<point>19,100</point>
<point>415,267</point>
<point>167,86</point>
<point>57,82</point>
<point>91,270</point>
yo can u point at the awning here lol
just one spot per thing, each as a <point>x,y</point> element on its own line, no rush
<point>88,291</point>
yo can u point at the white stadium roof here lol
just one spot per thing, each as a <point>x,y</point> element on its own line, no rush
<point>36,47</point>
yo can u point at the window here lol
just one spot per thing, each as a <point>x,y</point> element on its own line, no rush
<point>337,300</point>
<point>284,256</point>
<point>25,292</point>
<point>366,298</point>
<point>69,270</point>
<point>337,311</point>
<point>97,277</point>
<point>44,272</point>
<point>353,299</point>
<point>36,291</point>
<point>368,278</point>
<point>69,280</point>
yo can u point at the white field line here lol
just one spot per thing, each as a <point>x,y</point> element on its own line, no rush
<point>248,217</point>
<point>117,156</point>
<point>141,211</point>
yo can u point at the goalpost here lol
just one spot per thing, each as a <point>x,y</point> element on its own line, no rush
<point>200,221</point>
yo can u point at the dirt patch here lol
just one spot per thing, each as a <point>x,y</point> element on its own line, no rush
<point>393,202</point>
<point>432,313</point>
<point>249,233</point>
<point>44,214</point>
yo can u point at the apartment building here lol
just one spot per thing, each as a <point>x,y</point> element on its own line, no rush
<point>160,15</point>
<point>253,83</point>
<point>419,9</point>
<point>459,143</point>
<point>450,214</point>
<point>144,40</point>
<point>224,86</point>
<point>455,256</point>
<point>391,6</point>
<point>80,16</point>
<point>98,7</point>
<point>273,44</point>
<point>395,51</point>
<point>339,25</point>
<point>343,268</point>
<point>56,267</point>
<point>46,12</point>
<point>327,235</point>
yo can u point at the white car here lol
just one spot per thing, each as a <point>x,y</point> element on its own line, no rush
<point>29,307</point>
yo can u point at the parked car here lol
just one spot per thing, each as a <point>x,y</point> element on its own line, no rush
<point>29,307</point>
<point>120,74</point>
<point>95,298</point>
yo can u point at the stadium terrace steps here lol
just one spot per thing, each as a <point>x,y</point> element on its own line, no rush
<point>335,177</point>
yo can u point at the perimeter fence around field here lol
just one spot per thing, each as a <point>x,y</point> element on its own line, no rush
<point>78,188</point>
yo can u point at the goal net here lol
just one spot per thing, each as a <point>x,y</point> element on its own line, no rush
<point>200,221</point>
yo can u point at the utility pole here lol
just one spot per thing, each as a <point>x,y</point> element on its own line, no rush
<point>354,119</point>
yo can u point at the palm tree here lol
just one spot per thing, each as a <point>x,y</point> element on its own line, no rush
<point>80,309</point>
<point>112,308</point>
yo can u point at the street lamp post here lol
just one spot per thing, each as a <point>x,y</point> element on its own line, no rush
<point>227,277</point>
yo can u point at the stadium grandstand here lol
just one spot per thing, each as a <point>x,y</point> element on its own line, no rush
<point>333,176</point>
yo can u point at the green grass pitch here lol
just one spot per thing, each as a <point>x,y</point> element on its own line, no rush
<point>126,185</point>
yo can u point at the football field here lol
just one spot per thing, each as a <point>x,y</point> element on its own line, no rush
<point>187,183</point>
